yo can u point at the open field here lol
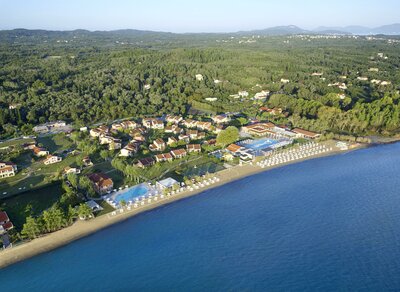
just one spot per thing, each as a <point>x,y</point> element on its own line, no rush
<point>34,175</point>
<point>16,142</point>
<point>55,143</point>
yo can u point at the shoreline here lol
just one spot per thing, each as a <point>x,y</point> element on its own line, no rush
<point>82,229</point>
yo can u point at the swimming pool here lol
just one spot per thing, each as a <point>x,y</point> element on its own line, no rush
<point>131,193</point>
<point>260,144</point>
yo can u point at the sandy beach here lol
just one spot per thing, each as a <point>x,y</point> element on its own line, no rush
<point>83,228</point>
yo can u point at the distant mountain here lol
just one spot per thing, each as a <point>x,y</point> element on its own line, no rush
<point>277,30</point>
<point>137,36</point>
<point>392,29</point>
<point>331,31</point>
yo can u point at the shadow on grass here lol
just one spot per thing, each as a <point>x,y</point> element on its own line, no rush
<point>39,199</point>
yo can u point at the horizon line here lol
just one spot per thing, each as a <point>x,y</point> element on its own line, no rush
<point>200,32</point>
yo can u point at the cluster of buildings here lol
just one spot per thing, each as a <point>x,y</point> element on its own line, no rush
<point>272,111</point>
<point>43,152</point>
<point>380,82</point>
<point>262,95</point>
<point>169,156</point>
<point>53,127</point>
<point>185,137</point>
<point>268,129</point>
<point>182,132</point>
<point>105,137</point>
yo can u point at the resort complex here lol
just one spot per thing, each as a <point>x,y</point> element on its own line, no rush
<point>98,128</point>
<point>145,161</point>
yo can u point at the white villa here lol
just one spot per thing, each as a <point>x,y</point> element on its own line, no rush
<point>51,159</point>
<point>7,169</point>
<point>261,95</point>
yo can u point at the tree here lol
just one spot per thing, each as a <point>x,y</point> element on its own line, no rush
<point>228,136</point>
<point>53,219</point>
<point>86,185</point>
<point>73,179</point>
<point>29,210</point>
<point>85,212</point>
<point>104,154</point>
<point>71,214</point>
<point>31,228</point>
<point>242,121</point>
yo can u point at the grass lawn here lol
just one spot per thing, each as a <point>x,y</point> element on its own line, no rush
<point>105,167</point>
<point>199,169</point>
<point>40,200</point>
<point>106,208</point>
<point>10,187</point>
<point>55,143</point>
<point>33,176</point>
<point>16,142</point>
<point>23,160</point>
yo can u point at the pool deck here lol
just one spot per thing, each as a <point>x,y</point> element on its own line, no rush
<point>111,197</point>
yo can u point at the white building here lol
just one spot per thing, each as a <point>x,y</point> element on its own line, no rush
<point>243,93</point>
<point>152,123</point>
<point>69,170</point>
<point>220,119</point>
<point>199,77</point>
<point>51,159</point>
<point>261,95</point>
<point>167,183</point>
<point>7,169</point>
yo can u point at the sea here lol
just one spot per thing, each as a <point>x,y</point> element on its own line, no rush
<point>327,224</point>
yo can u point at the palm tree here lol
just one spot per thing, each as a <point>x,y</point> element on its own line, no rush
<point>85,212</point>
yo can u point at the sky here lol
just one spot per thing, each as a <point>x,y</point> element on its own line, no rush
<point>194,16</point>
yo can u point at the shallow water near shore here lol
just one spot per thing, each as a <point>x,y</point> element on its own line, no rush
<point>326,224</point>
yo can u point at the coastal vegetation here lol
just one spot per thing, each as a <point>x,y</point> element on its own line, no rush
<point>85,84</point>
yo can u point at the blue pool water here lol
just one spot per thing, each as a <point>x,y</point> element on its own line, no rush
<point>131,193</point>
<point>261,144</point>
<point>329,224</point>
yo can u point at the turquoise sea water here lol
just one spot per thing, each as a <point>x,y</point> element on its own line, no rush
<point>330,224</point>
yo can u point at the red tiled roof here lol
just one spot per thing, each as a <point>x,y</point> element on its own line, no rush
<point>178,152</point>
<point>6,168</point>
<point>305,132</point>
<point>100,179</point>
<point>8,225</point>
<point>193,147</point>
<point>36,150</point>
<point>233,148</point>
<point>4,217</point>
<point>146,161</point>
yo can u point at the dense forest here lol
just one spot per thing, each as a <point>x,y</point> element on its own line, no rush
<point>86,78</point>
